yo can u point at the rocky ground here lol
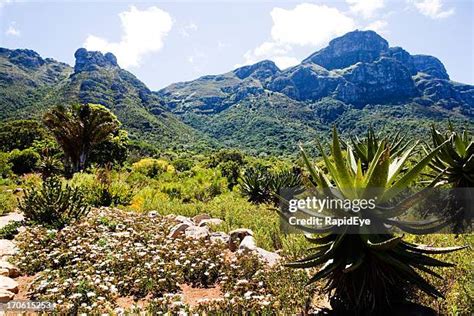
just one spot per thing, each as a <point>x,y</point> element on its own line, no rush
<point>9,273</point>
<point>118,261</point>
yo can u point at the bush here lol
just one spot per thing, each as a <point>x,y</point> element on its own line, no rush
<point>7,202</point>
<point>104,188</point>
<point>23,161</point>
<point>152,167</point>
<point>5,165</point>
<point>10,230</point>
<point>182,164</point>
<point>53,205</point>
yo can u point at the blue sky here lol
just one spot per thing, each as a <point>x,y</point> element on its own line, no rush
<point>162,42</point>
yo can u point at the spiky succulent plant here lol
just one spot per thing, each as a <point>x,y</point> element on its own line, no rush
<point>369,269</point>
<point>456,157</point>
<point>366,148</point>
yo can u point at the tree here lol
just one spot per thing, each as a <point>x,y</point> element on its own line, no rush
<point>79,128</point>
<point>20,134</point>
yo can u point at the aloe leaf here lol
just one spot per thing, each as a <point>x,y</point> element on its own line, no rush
<point>410,274</point>
<point>351,266</point>
<point>345,180</point>
<point>408,177</point>
<point>328,267</point>
<point>385,245</point>
<point>432,250</point>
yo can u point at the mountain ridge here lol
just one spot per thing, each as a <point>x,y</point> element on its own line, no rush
<point>356,81</point>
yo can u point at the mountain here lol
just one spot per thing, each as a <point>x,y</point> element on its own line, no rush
<point>356,81</point>
<point>30,84</point>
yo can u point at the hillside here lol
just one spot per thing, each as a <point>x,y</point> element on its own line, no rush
<point>357,81</point>
<point>31,84</point>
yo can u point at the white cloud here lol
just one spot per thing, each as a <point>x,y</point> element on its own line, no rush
<point>305,25</point>
<point>366,8</point>
<point>432,8</point>
<point>12,30</point>
<point>378,26</point>
<point>309,24</point>
<point>143,33</point>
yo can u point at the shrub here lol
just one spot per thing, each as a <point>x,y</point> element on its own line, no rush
<point>152,167</point>
<point>104,188</point>
<point>231,171</point>
<point>23,161</point>
<point>5,165</point>
<point>182,164</point>
<point>53,205</point>
<point>10,230</point>
<point>7,202</point>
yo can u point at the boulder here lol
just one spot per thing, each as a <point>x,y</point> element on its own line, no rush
<point>210,221</point>
<point>13,271</point>
<point>7,248</point>
<point>4,272</point>
<point>248,243</point>
<point>184,220</point>
<point>196,232</point>
<point>219,237</point>
<point>271,258</point>
<point>198,218</point>
<point>178,230</point>
<point>8,284</point>
<point>6,296</point>
<point>236,236</point>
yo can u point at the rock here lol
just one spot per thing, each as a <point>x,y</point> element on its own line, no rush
<point>430,65</point>
<point>198,218</point>
<point>7,248</point>
<point>4,272</point>
<point>8,284</point>
<point>219,237</point>
<point>13,271</point>
<point>236,236</point>
<point>196,232</point>
<point>90,61</point>
<point>26,58</point>
<point>271,258</point>
<point>6,296</point>
<point>261,70</point>
<point>184,219</point>
<point>349,49</point>
<point>178,230</point>
<point>211,221</point>
<point>248,243</point>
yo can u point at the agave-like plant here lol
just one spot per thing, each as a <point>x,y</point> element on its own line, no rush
<point>366,148</point>
<point>370,269</point>
<point>456,161</point>
<point>456,157</point>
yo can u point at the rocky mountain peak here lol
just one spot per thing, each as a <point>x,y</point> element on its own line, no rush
<point>349,49</point>
<point>26,58</point>
<point>260,70</point>
<point>91,60</point>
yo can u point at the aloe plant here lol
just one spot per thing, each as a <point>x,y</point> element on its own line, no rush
<point>369,271</point>
<point>366,148</point>
<point>456,157</point>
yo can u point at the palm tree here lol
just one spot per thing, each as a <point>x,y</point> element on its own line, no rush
<point>79,128</point>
